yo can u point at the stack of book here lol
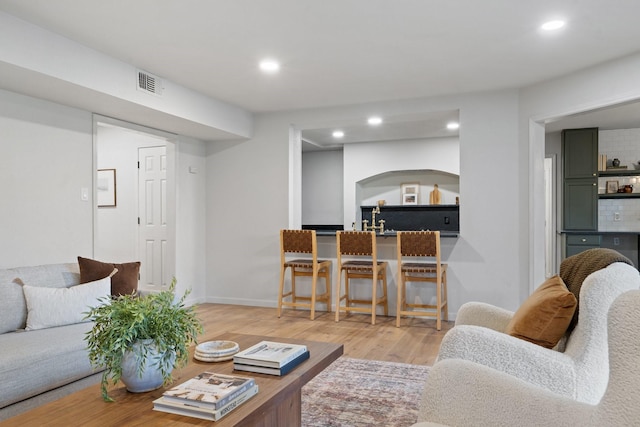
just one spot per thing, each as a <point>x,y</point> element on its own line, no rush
<point>273,358</point>
<point>209,396</point>
<point>602,162</point>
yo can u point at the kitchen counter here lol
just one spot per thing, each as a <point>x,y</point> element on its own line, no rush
<point>443,234</point>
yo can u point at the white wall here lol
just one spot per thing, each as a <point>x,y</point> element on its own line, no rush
<point>246,205</point>
<point>45,160</point>
<point>46,157</point>
<point>322,187</point>
<point>247,201</point>
<point>191,217</point>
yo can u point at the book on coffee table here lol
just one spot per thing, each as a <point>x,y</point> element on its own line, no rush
<point>269,354</point>
<point>162,404</point>
<point>209,390</point>
<point>283,370</point>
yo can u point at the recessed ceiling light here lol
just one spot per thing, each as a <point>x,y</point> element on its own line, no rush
<point>338,134</point>
<point>453,125</point>
<point>374,120</point>
<point>552,25</point>
<point>269,66</point>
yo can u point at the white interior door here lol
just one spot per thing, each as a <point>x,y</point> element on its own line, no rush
<point>152,219</point>
<point>549,220</point>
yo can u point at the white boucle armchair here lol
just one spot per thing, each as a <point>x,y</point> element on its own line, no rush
<point>580,372</point>
<point>462,393</point>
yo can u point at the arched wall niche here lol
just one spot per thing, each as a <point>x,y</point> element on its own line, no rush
<point>387,186</point>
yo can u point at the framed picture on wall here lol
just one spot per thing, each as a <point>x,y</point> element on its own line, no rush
<point>410,199</point>
<point>612,186</point>
<point>410,188</point>
<point>106,188</point>
<point>410,192</point>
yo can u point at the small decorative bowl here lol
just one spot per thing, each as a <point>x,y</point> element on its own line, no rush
<point>216,351</point>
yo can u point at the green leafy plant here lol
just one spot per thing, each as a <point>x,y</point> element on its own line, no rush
<point>122,321</point>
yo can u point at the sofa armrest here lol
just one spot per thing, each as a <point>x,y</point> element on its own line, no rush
<point>462,393</point>
<point>530,362</point>
<point>482,314</point>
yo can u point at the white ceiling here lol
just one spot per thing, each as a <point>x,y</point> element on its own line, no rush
<point>414,126</point>
<point>624,116</point>
<point>338,52</point>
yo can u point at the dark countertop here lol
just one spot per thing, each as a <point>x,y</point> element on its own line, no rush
<point>443,234</point>
<point>599,232</point>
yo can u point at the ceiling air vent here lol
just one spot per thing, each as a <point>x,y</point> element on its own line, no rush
<point>149,83</point>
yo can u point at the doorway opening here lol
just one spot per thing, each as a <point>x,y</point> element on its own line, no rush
<point>140,226</point>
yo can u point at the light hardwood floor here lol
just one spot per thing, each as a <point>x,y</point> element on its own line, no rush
<point>416,341</point>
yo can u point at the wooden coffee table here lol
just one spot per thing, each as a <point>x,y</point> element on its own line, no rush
<point>278,403</point>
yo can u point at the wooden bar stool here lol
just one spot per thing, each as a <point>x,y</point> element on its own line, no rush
<point>360,244</point>
<point>418,244</point>
<point>303,242</point>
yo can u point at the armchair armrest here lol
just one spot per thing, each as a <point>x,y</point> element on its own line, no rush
<point>462,393</point>
<point>482,314</point>
<point>537,365</point>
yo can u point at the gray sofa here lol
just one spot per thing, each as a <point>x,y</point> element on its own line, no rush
<point>38,366</point>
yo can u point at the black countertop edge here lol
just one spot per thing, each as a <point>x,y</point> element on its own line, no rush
<point>443,234</point>
<point>411,207</point>
<point>591,232</point>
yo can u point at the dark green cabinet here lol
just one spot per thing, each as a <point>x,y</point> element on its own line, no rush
<point>580,153</point>
<point>577,243</point>
<point>580,173</point>
<point>580,205</point>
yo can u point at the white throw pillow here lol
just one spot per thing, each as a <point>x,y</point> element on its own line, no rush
<point>49,307</point>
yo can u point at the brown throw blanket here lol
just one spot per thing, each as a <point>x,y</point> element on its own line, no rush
<point>576,268</point>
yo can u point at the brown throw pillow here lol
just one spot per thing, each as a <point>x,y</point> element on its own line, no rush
<point>124,282</point>
<point>545,316</point>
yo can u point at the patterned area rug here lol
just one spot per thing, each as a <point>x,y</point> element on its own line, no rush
<point>358,392</point>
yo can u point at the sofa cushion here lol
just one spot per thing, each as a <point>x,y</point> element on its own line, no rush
<point>545,316</point>
<point>124,282</point>
<point>12,305</point>
<point>42,360</point>
<point>50,307</point>
<point>13,308</point>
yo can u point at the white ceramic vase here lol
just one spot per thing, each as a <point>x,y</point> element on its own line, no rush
<point>151,378</point>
